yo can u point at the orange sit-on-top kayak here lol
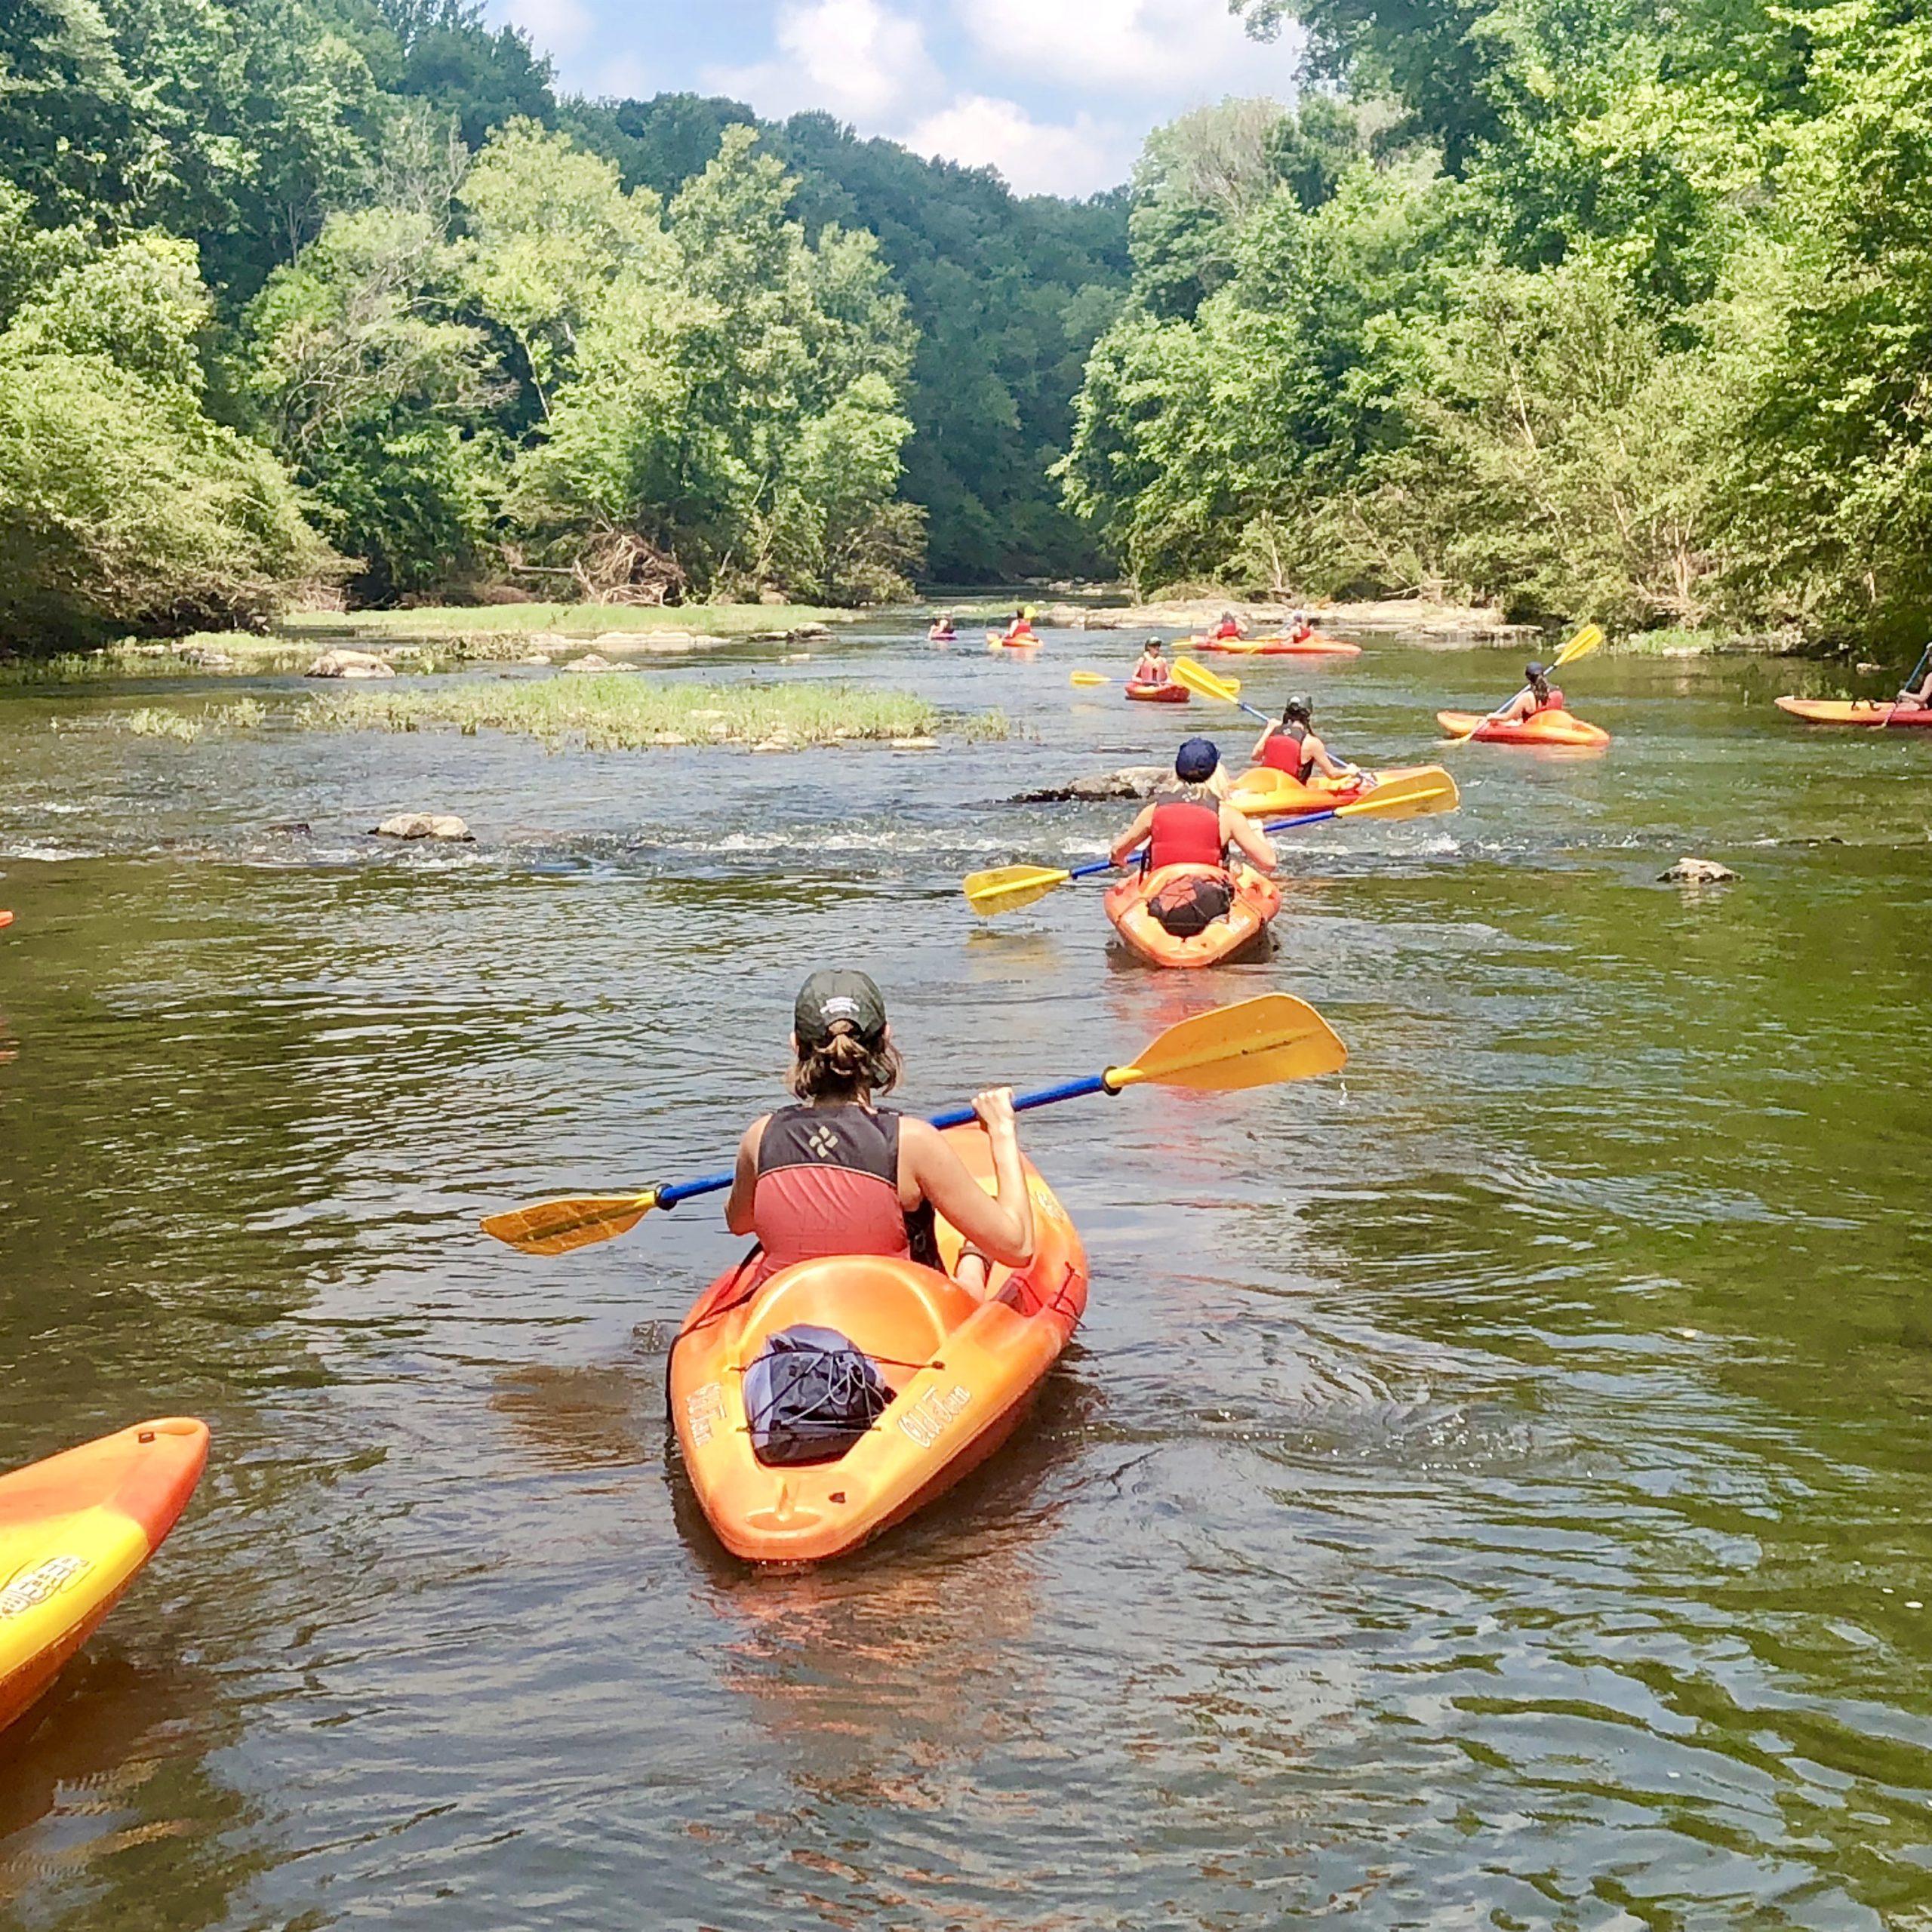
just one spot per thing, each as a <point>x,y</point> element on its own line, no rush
<point>1167,693</point>
<point>74,1531</point>
<point>1263,791</point>
<point>1314,645</point>
<point>6,920</point>
<point>961,1372</point>
<point>1129,905</point>
<point>1541,727</point>
<point>1855,711</point>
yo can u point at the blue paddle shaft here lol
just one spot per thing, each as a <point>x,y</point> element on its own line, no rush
<point>1069,1089</point>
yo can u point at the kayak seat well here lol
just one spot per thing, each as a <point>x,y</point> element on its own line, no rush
<point>896,1312</point>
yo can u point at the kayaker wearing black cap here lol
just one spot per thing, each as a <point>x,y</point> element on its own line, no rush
<point>1541,695</point>
<point>1292,747</point>
<point>1195,829</point>
<point>838,1175</point>
<point>1150,670</point>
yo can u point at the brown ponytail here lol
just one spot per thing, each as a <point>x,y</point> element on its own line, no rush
<point>845,1067</point>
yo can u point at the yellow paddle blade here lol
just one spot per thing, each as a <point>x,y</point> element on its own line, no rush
<point>555,1227</point>
<point>1007,888</point>
<point>1414,794</point>
<point>1088,678</point>
<point>1253,1043</point>
<point>1585,641</point>
<point>993,640</point>
<point>1202,682</point>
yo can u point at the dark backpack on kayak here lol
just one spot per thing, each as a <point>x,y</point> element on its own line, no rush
<point>1188,906</point>
<point>809,1395</point>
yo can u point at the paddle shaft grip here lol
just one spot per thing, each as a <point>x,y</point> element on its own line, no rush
<point>1068,1089</point>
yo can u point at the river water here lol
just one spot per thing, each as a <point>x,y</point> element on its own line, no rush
<point>1490,1488</point>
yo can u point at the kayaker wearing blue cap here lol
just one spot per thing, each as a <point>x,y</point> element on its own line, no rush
<point>1195,829</point>
<point>838,1175</point>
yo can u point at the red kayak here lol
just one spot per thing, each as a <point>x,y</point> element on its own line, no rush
<point>1855,711</point>
<point>1167,693</point>
<point>6,920</point>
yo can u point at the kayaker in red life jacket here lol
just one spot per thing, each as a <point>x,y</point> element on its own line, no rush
<point>838,1175</point>
<point>1541,695</point>
<point>942,631</point>
<point>1292,747</point>
<point>1020,631</point>
<point>1196,829</point>
<point>1152,669</point>
<point>1228,629</point>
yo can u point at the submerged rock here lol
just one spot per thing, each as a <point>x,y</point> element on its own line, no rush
<point>424,824</point>
<point>1131,781</point>
<point>1696,872</point>
<point>799,633</point>
<point>343,663</point>
<point>921,744</point>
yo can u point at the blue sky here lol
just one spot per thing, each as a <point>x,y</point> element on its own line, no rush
<point>1055,93</point>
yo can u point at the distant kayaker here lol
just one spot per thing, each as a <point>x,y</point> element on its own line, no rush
<point>1292,747</point>
<point>1919,696</point>
<point>942,632</point>
<point>1195,829</point>
<point>1299,629</point>
<point>1152,668</point>
<point>1020,631</point>
<point>1228,629</point>
<point>1540,695</point>
<point>837,1174</point>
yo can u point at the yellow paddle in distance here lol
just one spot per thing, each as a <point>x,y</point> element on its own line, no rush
<point>1585,641</point>
<point>1256,1043</point>
<point>1088,678</point>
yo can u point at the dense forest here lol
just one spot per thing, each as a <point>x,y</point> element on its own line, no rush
<point>304,293</point>
<point>1618,308</point>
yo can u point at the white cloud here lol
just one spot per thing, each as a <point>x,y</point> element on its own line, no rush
<point>857,58</point>
<point>1036,157</point>
<point>559,28</point>
<point>1156,47</point>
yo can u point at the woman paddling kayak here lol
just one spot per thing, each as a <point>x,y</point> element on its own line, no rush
<point>1292,747</point>
<point>838,1175</point>
<point>1538,694</point>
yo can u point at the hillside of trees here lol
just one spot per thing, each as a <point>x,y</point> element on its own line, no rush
<point>1607,308</point>
<point>1611,308</point>
<point>296,293</point>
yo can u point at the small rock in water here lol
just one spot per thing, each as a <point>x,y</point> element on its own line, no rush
<point>590,661</point>
<point>424,824</point>
<point>341,663</point>
<point>915,744</point>
<point>535,657</point>
<point>772,745</point>
<point>798,634</point>
<point>1696,872</point>
<point>293,828</point>
<point>1131,781</point>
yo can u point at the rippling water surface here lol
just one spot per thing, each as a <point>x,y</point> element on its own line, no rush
<point>1490,1488</point>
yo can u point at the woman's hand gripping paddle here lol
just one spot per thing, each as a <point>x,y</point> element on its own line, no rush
<point>1256,1043</point>
<point>1585,641</point>
<point>1415,794</point>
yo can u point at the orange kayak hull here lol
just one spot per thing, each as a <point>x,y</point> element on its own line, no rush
<point>76,1530</point>
<point>1317,646</point>
<point>1263,791</point>
<point>1256,901</point>
<point>1169,693</point>
<point>963,1370</point>
<point>6,920</point>
<point>1854,711</point>
<point>1544,727</point>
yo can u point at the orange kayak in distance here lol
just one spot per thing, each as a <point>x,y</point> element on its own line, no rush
<point>999,641</point>
<point>1257,900</point>
<point>1854,711</point>
<point>1317,646</point>
<point>76,1530</point>
<point>1167,693</point>
<point>1544,727</point>
<point>962,1372</point>
<point>6,920</point>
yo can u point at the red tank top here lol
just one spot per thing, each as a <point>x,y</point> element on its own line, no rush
<point>828,1184</point>
<point>1185,833</point>
<point>1284,752</point>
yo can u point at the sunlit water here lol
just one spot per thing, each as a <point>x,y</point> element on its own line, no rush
<point>1490,1488</point>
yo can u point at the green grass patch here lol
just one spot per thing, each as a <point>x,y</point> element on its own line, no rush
<point>612,711</point>
<point>150,721</point>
